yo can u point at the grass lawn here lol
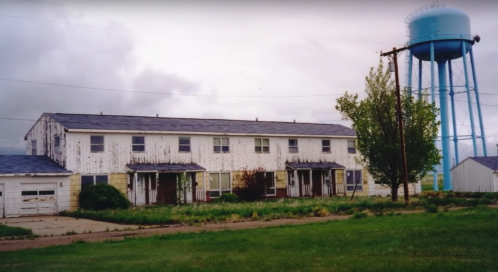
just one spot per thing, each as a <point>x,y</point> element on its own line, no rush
<point>268,210</point>
<point>463,240</point>
<point>7,231</point>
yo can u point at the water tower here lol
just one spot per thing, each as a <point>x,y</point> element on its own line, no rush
<point>439,37</point>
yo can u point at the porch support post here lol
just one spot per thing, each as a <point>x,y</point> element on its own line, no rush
<point>135,176</point>
<point>311,182</point>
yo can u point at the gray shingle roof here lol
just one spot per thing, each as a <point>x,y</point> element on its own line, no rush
<point>24,164</point>
<point>490,162</point>
<point>140,123</point>
<point>165,167</point>
<point>314,165</point>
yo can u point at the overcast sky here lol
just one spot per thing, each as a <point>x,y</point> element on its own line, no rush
<point>275,60</point>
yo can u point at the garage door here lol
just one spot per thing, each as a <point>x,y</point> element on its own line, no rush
<point>38,199</point>
<point>1,201</point>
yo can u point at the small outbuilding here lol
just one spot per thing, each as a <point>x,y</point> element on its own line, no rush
<point>476,174</point>
<point>32,185</point>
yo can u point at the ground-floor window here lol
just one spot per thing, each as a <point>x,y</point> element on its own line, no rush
<point>93,179</point>
<point>219,184</point>
<point>269,179</point>
<point>353,178</point>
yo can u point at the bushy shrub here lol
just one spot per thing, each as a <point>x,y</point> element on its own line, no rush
<point>101,197</point>
<point>229,198</point>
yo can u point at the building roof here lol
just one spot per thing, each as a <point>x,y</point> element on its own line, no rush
<point>24,164</point>
<point>165,167</point>
<point>490,162</point>
<point>314,165</point>
<point>158,124</point>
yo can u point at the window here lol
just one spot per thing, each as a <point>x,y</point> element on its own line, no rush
<point>326,146</point>
<point>184,144</point>
<point>57,143</point>
<point>262,145</point>
<point>33,147</point>
<point>293,146</point>
<point>138,143</point>
<point>221,145</point>
<point>93,179</point>
<point>219,184</point>
<point>353,178</point>
<point>351,146</point>
<point>96,143</point>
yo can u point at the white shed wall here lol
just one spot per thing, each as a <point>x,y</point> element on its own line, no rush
<point>471,176</point>
<point>12,192</point>
<point>164,149</point>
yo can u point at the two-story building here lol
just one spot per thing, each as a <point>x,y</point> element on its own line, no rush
<point>144,156</point>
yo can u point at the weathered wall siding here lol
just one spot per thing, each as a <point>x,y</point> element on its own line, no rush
<point>199,178</point>
<point>75,183</point>
<point>471,176</point>
<point>281,179</point>
<point>12,192</point>
<point>43,132</point>
<point>120,181</point>
<point>164,149</point>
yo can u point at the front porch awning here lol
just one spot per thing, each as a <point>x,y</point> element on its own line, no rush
<point>165,167</point>
<point>313,165</point>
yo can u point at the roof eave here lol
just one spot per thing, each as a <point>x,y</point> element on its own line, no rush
<point>35,174</point>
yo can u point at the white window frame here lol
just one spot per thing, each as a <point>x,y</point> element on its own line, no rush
<point>97,145</point>
<point>220,191</point>
<point>33,148</point>
<point>260,146</point>
<point>135,145</point>
<point>95,179</point>
<point>218,144</point>
<point>351,147</point>
<point>326,148</point>
<point>180,145</point>
<point>57,143</point>
<point>295,147</point>
<point>274,183</point>
<point>349,185</point>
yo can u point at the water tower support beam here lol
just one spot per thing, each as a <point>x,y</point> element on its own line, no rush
<point>419,79</point>
<point>469,100</point>
<point>433,100</point>
<point>476,90</point>
<point>453,116</point>
<point>445,128</point>
<point>410,70</point>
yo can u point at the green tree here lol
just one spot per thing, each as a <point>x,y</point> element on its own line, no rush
<point>378,141</point>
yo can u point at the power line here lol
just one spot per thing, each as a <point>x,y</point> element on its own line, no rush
<point>172,94</point>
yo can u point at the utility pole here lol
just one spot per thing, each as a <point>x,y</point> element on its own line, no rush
<point>400,121</point>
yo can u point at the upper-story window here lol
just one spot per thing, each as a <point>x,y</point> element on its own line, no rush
<point>138,143</point>
<point>351,146</point>
<point>326,146</point>
<point>96,143</point>
<point>57,143</point>
<point>221,145</point>
<point>262,145</point>
<point>293,148</point>
<point>33,147</point>
<point>184,144</point>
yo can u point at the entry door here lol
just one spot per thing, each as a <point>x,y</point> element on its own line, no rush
<point>38,199</point>
<point>316,177</point>
<point>1,201</point>
<point>292,185</point>
<point>304,183</point>
<point>166,190</point>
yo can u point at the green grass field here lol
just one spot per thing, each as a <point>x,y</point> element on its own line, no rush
<point>463,240</point>
<point>7,231</point>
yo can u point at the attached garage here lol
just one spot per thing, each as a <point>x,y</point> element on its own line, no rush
<point>32,185</point>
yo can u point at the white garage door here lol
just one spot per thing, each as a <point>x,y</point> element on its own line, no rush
<point>38,199</point>
<point>1,201</point>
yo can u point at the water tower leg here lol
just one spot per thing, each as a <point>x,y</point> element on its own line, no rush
<point>433,100</point>
<point>419,79</point>
<point>476,90</point>
<point>443,104</point>
<point>453,117</point>
<point>469,98</point>
<point>410,69</point>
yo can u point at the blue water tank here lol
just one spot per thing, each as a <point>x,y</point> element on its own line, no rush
<point>446,27</point>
